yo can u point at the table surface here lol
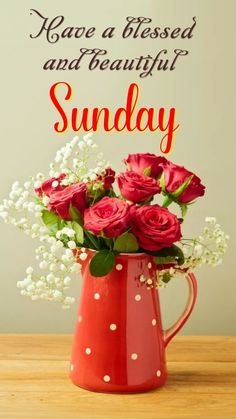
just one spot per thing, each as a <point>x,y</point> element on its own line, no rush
<point>34,382</point>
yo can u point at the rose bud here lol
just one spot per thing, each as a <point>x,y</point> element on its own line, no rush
<point>174,176</point>
<point>145,164</point>
<point>107,178</point>
<point>51,185</point>
<point>73,195</point>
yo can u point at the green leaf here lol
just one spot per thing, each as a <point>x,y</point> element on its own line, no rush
<point>163,260</point>
<point>184,209</point>
<point>147,171</point>
<point>182,187</point>
<point>51,220</point>
<point>49,217</point>
<point>174,252</point>
<point>179,256</point>
<point>75,215</point>
<point>62,223</point>
<point>102,263</point>
<point>162,183</point>
<point>126,243</point>
<point>166,277</point>
<point>79,232</point>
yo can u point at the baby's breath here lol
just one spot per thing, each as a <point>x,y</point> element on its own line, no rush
<point>23,209</point>
<point>75,160</point>
<point>208,248</point>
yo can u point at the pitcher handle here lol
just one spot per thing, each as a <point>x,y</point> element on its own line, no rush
<point>171,332</point>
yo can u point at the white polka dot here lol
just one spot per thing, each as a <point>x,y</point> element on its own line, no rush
<point>113,326</point>
<point>119,267</point>
<point>88,351</point>
<point>106,378</point>
<point>96,296</point>
<point>80,319</point>
<point>149,281</point>
<point>154,322</point>
<point>149,265</point>
<point>72,367</point>
<point>134,356</point>
<point>158,373</point>
<point>83,256</point>
<point>137,297</point>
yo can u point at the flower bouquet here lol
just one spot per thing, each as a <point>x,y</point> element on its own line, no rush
<point>109,227</point>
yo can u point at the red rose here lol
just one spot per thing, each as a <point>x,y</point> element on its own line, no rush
<point>155,227</point>
<point>74,195</point>
<point>136,187</point>
<point>141,161</point>
<point>174,176</point>
<point>108,178</point>
<point>109,216</point>
<point>47,188</point>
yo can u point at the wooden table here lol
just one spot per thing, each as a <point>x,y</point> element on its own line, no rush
<point>34,382</point>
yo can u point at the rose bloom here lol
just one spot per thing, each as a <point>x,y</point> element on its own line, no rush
<point>47,188</point>
<point>61,201</point>
<point>141,161</point>
<point>155,227</point>
<point>175,175</point>
<point>109,216</point>
<point>108,178</point>
<point>137,188</point>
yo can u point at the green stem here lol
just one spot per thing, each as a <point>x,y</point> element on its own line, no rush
<point>74,173</point>
<point>109,243</point>
<point>91,239</point>
<point>197,241</point>
<point>167,201</point>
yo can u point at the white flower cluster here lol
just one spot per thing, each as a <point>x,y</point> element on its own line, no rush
<point>24,210</point>
<point>21,208</point>
<point>208,248</point>
<point>75,159</point>
<point>60,265</point>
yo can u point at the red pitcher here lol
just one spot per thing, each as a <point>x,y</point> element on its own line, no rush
<point>119,344</point>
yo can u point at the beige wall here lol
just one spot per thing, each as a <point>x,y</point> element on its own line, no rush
<point>202,90</point>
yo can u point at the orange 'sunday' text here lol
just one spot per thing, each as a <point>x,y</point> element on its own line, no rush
<point>130,117</point>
